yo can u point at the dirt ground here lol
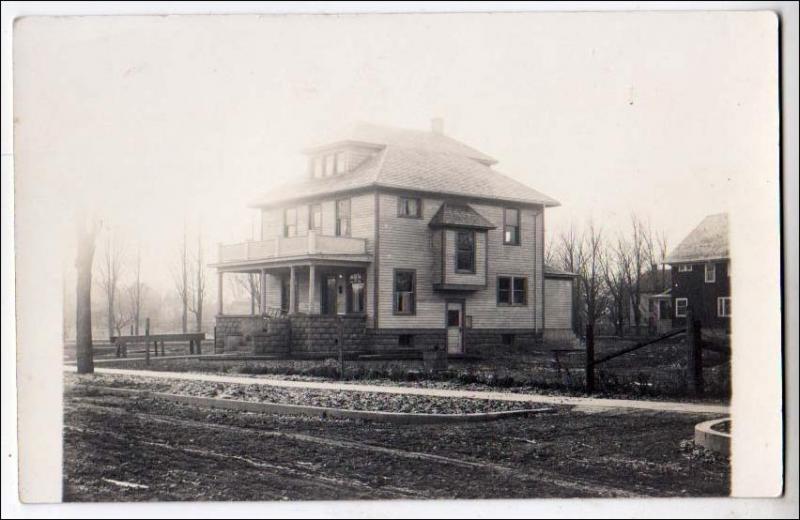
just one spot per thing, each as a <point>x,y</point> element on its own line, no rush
<point>135,449</point>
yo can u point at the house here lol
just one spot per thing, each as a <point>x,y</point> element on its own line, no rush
<point>701,275</point>
<point>655,301</point>
<point>559,309</point>
<point>394,239</point>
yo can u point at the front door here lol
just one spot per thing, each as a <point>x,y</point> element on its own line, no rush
<point>329,294</point>
<point>455,327</point>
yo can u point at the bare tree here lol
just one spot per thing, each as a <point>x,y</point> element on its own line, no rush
<point>616,267</point>
<point>250,284</point>
<point>589,269</point>
<point>135,293</point>
<point>87,233</point>
<point>110,270</point>
<point>181,279</point>
<point>198,289</point>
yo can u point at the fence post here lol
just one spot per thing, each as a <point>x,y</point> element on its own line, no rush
<point>694,365</point>
<point>147,341</point>
<point>589,359</point>
<point>340,337</point>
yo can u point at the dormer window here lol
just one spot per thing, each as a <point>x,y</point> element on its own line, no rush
<point>330,165</point>
<point>341,162</point>
<point>316,167</point>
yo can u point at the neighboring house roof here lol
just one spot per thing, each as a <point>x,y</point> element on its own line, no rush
<point>655,281</point>
<point>708,241</point>
<point>416,161</point>
<point>459,215</point>
<point>555,272</point>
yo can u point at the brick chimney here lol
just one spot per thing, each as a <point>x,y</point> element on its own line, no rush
<point>437,125</point>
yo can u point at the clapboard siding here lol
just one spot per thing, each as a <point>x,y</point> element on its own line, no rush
<point>451,276</point>
<point>407,244</point>
<point>558,309</point>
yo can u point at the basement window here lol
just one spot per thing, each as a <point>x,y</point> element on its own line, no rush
<point>405,340</point>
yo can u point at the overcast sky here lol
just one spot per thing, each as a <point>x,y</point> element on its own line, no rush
<point>153,121</point>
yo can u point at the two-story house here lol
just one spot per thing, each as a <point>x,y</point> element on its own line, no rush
<point>411,237</point>
<point>701,275</point>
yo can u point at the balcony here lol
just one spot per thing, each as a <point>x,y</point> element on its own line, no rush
<point>279,248</point>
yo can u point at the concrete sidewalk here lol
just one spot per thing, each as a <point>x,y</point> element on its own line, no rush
<point>585,402</point>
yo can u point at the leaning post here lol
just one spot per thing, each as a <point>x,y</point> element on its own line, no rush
<point>147,341</point>
<point>694,365</point>
<point>589,359</point>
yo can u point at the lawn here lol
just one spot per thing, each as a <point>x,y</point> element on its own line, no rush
<point>653,372</point>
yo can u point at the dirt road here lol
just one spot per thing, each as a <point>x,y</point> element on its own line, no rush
<point>143,449</point>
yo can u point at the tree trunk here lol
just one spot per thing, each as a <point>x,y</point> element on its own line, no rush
<point>83,309</point>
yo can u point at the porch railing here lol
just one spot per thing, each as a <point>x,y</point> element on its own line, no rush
<point>285,247</point>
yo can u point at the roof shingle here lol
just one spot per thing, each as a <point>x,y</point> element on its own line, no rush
<point>708,241</point>
<point>435,164</point>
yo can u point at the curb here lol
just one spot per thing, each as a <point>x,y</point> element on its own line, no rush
<point>320,411</point>
<point>710,439</point>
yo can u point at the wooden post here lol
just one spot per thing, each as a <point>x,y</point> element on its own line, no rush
<point>292,290</point>
<point>219,293</point>
<point>694,364</point>
<point>312,286</point>
<point>340,337</point>
<point>263,295</point>
<point>147,341</point>
<point>589,359</point>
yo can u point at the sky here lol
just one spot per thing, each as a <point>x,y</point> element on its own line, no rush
<point>154,124</point>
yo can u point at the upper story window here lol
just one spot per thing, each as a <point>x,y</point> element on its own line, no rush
<point>404,291</point>
<point>512,290</point>
<point>343,218</point>
<point>711,273</point>
<point>511,226</point>
<point>290,222</point>
<point>315,217</point>
<point>465,251</point>
<point>328,164</point>
<point>409,207</point>
<point>685,268</point>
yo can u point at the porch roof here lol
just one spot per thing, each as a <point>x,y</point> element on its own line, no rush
<point>254,266</point>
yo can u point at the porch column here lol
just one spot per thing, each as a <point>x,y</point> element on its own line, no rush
<point>219,293</point>
<point>312,290</point>
<point>263,286</point>
<point>292,290</point>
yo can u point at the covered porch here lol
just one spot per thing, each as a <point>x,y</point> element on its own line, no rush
<point>330,288</point>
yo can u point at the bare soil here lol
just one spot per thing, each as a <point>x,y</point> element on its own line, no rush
<point>135,449</point>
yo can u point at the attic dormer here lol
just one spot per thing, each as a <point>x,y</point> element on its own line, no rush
<point>338,158</point>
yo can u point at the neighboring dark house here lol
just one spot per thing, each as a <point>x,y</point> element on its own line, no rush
<point>701,275</point>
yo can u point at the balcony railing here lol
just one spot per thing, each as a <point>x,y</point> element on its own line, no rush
<point>280,247</point>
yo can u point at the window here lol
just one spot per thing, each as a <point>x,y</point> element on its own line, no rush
<point>453,318</point>
<point>356,283</point>
<point>512,290</point>
<point>290,222</point>
<point>724,307</point>
<point>341,162</point>
<point>465,251</point>
<point>405,340</point>
<point>507,339</point>
<point>410,208</point>
<point>404,286</point>
<point>316,166</point>
<point>330,165</point>
<point>711,273</point>
<point>343,218</point>
<point>685,268</point>
<point>681,304</point>
<point>511,227</point>
<point>315,217</point>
